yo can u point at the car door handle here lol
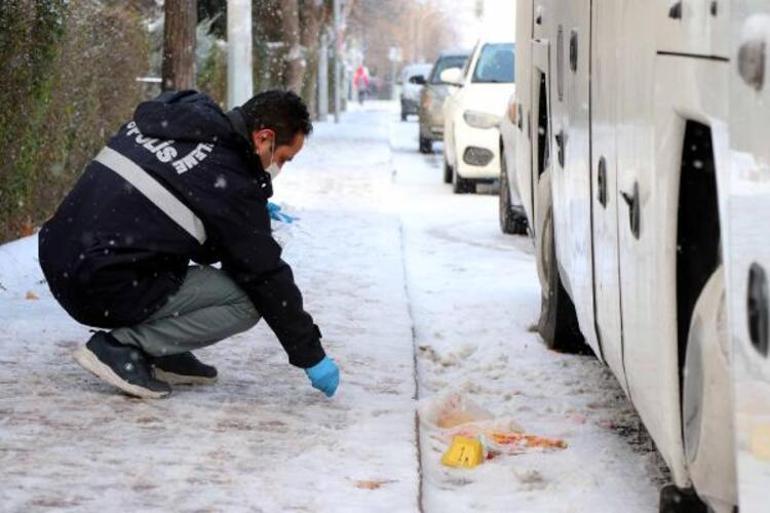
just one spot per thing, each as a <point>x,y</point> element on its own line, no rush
<point>602,182</point>
<point>758,308</point>
<point>634,210</point>
<point>561,142</point>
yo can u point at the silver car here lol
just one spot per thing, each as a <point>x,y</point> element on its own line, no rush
<point>412,79</point>
<point>432,99</point>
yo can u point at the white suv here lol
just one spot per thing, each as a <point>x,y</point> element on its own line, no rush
<point>473,113</point>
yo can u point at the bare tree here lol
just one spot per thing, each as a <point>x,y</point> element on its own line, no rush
<point>420,29</point>
<point>295,61</point>
<point>314,16</point>
<point>179,44</point>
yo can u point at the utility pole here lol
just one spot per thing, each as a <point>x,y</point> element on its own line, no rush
<point>337,60</point>
<point>240,83</point>
<point>323,78</point>
<point>181,17</point>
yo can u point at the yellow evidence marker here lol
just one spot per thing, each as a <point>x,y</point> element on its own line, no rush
<point>463,452</point>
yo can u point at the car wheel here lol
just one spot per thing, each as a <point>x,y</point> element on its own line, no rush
<point>403,116</point>
<point>448,171</point>
<point>461,185</point>
<point>558,323</point>
<point>426,145</point>
<point>511,222</point>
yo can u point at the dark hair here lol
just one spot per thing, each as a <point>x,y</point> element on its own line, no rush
<point>282,111</point>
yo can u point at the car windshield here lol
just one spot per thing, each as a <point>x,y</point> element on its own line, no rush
<point>451,61</point>
<point>495,64</point>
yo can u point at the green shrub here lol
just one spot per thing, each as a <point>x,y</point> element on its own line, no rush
<point>68,82</point>
<point>212,75</point>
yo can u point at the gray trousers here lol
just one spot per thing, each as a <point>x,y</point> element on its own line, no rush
<point>209,307</point>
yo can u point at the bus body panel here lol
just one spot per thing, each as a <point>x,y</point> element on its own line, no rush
<point>695,27</point>
<point>624,103</point>
<point>570,26</point>
<point>604,172</point>
<point>748,253</point>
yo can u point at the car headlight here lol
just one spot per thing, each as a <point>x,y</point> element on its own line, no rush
<point>481,119</point>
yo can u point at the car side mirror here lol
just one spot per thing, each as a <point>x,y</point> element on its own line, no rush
<point>417,80</point>
<point>452,76</point>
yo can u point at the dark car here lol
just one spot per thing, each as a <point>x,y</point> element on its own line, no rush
<point>432,99</point>
<point>412,79</point>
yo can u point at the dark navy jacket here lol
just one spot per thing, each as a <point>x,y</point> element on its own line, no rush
<point>113,253</point>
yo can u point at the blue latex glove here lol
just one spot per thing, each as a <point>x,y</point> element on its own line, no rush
<point>276,214</point>
<point>324,376</point>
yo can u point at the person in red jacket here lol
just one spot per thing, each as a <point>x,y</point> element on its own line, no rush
<point>361,82</point>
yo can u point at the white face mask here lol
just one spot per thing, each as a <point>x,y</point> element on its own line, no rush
<point>273,169</point>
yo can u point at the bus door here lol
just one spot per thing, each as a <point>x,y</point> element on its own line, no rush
<point>605,96</point>
<point>540,132</point>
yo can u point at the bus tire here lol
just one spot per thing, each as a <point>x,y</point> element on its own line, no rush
<point>558,325</point>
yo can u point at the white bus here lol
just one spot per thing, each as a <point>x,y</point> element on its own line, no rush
<point>627,174</point>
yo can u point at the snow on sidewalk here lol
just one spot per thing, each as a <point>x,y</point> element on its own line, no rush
<point>262,439</point>
<point>379,237</point>
<point>475,297</point>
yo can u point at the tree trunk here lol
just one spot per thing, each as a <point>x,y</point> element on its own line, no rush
<point>295,62</point>
<point>179,44</point>
<point>312,19</point>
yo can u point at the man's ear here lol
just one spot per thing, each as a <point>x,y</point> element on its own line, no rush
<point>261,138</point>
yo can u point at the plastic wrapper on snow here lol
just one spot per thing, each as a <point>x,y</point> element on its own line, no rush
<point>453,414</point>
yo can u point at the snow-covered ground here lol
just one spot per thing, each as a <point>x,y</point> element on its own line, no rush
<point>417,294</point>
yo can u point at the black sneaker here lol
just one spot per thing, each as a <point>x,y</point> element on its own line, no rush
<point>183,369</point>
<point>125,367</point>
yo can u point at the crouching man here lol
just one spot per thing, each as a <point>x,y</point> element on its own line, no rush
<point>183,181</point>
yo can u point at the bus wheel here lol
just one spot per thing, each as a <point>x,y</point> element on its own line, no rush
<point>558,320</point>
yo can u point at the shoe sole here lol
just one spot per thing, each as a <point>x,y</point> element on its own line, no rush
<point>90,362</point>
<point>181,379</point>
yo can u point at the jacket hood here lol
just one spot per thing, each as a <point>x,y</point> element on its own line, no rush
<point>187,116</point>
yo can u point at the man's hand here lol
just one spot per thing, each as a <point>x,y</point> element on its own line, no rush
<point>277,215</point>
<point>324,376</point>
